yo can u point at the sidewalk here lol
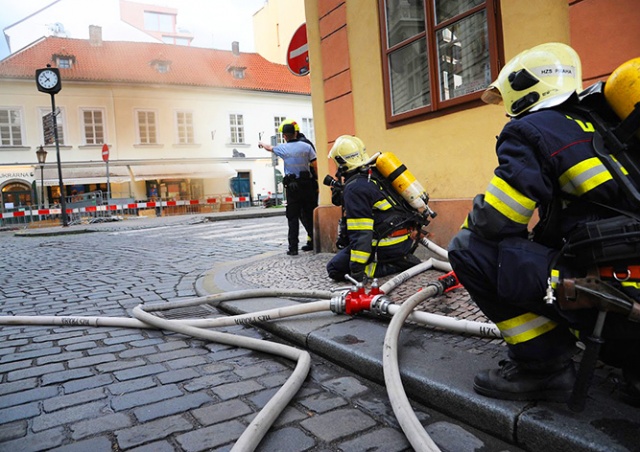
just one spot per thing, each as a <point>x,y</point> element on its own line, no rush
<point>437,366</point>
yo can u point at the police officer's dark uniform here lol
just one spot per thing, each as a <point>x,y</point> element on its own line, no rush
<point>299,185</point>
<point>304,214</point>
<point>546,161</point>
<point>376,247</point>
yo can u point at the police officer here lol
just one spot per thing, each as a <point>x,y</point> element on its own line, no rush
<point>298,158</point>
<point>298,135</point>
<point>546,161</point>
<point>376,247</point>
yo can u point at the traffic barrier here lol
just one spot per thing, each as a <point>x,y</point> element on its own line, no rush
<point>181,207</point>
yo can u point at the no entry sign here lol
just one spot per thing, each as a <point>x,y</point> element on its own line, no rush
<point>298,52</point>
<point>105,152</point>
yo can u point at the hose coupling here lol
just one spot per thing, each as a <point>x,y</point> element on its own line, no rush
<point>380,304</point>
<point>438,285</point>
<point>338,303</point>
<point>449,282</point>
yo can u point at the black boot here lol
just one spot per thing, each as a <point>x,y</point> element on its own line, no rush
<point>631,389</point>
<point>514,381</point>
<point>307,247</point>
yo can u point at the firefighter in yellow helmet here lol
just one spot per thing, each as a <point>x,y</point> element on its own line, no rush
<point>546,162</point>
<point>376,246</point>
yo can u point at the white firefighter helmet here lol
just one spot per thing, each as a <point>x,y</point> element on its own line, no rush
<point>541,77</point>
<point>349,152</point>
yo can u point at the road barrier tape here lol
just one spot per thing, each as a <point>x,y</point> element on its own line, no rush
<point>118,207</point>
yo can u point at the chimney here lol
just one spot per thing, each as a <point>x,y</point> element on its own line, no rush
<point>235,48</point>
<point>95,35</point>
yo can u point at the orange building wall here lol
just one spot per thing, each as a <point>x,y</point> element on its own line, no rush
<point>605,33</point>
<point>336,72</point>
<point>347,94</point>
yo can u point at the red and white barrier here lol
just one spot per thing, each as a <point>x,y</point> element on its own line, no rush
<point>118,207</point>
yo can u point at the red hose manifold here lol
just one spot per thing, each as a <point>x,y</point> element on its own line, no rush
<point>357,299</point>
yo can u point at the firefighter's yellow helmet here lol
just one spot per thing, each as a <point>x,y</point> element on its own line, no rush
<point>349,152</point>
<point>622,89</point>
<point>283,129</point>
<point>541,77</point>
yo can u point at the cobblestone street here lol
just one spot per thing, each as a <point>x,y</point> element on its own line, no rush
<point>80,388</point>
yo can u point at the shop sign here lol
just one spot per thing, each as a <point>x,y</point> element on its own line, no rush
<point>25,173</point>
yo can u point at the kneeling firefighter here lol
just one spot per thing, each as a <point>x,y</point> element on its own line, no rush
<point>581,261</point>
<point>379,226</point>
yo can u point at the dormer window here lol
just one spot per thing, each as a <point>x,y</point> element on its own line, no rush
<point>161,66</point>
<point>237,71</point>
<point>64,61</point>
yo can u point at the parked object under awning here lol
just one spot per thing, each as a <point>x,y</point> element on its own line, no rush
<point>82,175</point>
<point>182,171</point>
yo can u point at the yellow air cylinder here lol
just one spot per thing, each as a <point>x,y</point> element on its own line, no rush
<point>402,180</point>
<point>622,89</point>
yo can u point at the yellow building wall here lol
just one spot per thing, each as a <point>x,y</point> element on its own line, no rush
<point>274,26</point>
<point>453,155</point>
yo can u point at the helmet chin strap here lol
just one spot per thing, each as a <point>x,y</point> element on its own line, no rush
<point>552,101</point>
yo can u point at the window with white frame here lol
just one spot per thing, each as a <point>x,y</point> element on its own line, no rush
<point>93,125</point>
<point>146,126</point>
<point>49,138</point>
<point>65,62</point>
<point>10,126</point>
<point>307,128</point>
<point>437,53</point>
<point>277,120</point>
<point>236,127</point>
<point>184,127</point>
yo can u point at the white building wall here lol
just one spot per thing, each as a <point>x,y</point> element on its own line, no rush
<point>210,108</point>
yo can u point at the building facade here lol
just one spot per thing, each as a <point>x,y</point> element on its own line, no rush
<point>179,122</point>
<point>406,77</point>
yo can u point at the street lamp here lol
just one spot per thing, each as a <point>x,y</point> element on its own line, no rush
<point>42,157</point>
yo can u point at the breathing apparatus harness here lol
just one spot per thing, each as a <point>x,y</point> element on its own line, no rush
<point>605,248</point>
<point>406,219</point>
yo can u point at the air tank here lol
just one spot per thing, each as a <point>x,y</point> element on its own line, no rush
<point>402,180</point>
<point>622,89</point>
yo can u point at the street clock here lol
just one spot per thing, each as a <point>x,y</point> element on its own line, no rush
<point>48,80</point>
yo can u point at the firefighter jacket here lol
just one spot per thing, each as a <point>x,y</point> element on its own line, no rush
<point>374,225</point>
<point>546,160</point>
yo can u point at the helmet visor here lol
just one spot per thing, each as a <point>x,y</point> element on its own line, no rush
<point>492,95</point>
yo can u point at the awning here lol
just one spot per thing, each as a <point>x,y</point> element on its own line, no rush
<point>182,171</point>
<point>85,175</point>
<point>80,175</point>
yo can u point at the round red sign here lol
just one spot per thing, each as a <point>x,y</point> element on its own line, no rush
<point>298,52</point>
<point>105,152</point>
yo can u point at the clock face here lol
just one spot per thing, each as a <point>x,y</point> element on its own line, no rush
<point>47,79</point>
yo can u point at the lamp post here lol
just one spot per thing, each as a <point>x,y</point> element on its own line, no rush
<point>42,157</point>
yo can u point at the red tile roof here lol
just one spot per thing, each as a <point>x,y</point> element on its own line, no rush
<point>132,62</point>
